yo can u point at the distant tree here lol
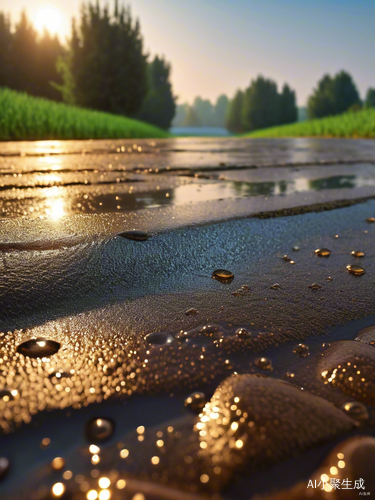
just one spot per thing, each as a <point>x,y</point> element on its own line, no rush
<point>204,111</point>
<point>191,118</point>
<point>288,112</point>
<point>106,61</point>
<point>48,52</point>
<point>260,109</point>
<point>370,98</point>
<point>180,115</point>
<point>159,107</point>
<point>233,120</point>
<point>5,48</point>
<point>220,110</point>
<point>333,96</point>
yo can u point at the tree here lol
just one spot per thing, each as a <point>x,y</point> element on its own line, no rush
<point>333,96</point>
<point>220,110</point>
<point>233,120</point>
<point>106,61</point>
<point>204,111</point>
<point>260,109</point>
<point>191,118</point>
<point>5,48</point>
<point>159,107</point>
<point>288,112</point>
<point>48,52</point>
<point>370,98</point>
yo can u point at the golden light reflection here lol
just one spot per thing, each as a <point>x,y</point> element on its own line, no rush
<point>46,146</point>
<point>56,210</point>
<point>58,489</point>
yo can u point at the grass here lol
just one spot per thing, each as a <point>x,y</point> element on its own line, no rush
<point>23,117</point>
<point>359,124</point>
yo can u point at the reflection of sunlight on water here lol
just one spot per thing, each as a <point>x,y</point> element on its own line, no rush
<point>45,147</point>
<point>53,161</point>
<point>56,209</point>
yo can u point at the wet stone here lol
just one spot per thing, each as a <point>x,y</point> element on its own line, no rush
<point>223,276</point>
<point>315,286</point>
<point>357,253</point>
<point>302,350</point>
<point>4,466</point>
<point>323,252</point>
<point>356,410</point>
<point>135,235</point>
<point>38,348</point>
<point>367,335</point>
<point>275,286</point>
<point>192,312</point>
<point>355,270</point>
<point>264,364</point>
<point>159,338</point>
<point>195,402</point>
<point>99,429</point>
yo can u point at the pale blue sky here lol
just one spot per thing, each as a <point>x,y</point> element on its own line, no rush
<point>217,46</point>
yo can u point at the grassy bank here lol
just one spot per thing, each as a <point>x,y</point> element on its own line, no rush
<point>358,124</point>
<point>23,117</point>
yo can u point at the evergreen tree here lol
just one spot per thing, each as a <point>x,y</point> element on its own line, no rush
<point>191,118</point>
<point>48,52</point>
<point>288,112</point>
<point>220,111</point>
<point>204,111</point>
<point>5,48</point>
<point>370,98</point>
<point>159,107</point>
<point>233,121</point>
<point>260,109</point>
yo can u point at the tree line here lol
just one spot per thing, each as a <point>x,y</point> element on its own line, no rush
<point>202,113</point>
<point>103,66</point>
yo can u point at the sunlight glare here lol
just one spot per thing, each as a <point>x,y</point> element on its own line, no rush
<point>48,17</point>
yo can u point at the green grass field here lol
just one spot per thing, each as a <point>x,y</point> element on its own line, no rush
<point>352,125</point>
<point>23,117</point>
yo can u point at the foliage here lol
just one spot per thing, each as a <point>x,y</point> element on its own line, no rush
<point>233,120</point>
<point>351,125</point>
<point>28,61</point>
<point>29,118</point>
<point>370,98</point>
<point>260,108</point>
<point>191,118</point>
<point>159,106</point>
<point>333,96</point>
<point>288,112</point>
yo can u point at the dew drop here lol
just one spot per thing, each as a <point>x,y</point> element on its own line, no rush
<point>287,259</point>
<point>371,219</point>
<point>323,252</point>
<point>223,276</point>
<point>356,270</point>
<point>275,286</point>
<point>192,312</point>
<point>159,338</point>
<point>195,402</point>
<point>356,410</point>
<point>243,333</point>
<point>38,348</point>
<point>295,248</point>
<point>315,286</point>
<point>134,235</point>
<point>264,363</point>
<point>302,350</point>
<point>358,253</point>
<point>214,331</point>
<point>4,466</point>
<point>99,429</point>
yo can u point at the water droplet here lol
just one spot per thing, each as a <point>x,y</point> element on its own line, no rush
<point>275,286</point>
<point>264,363</point>
<point>356,410</point>
<point>323,252</point>
<point>195,402</point>
<point>245,287</point>
<point>371,219</point>
<point>287,259</point>
<point>329,278</point>
<point>243,333</point>
<point>192,312</point>
<point>239,293</point>
<point>6,395</point>
<point>159,338</point>
<point>4,466</point>
<point>302,350</point>
<point>223,276</point>
<point>315,286</point>
<point>358,253</point>
<point>58,375</point>
<point>295,248</point>
<point>356,270</point>
<point>58,463</point>
<point>99,429</point>
<point>134,235</point>
<point>38,348</point>
<point>214,331</point>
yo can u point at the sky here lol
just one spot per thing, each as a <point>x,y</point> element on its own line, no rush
<point>218,46</point>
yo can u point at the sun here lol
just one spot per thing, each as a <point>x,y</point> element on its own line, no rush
<point>48,17</point>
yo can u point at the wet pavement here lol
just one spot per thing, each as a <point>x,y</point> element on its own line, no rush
<point>111,317</point>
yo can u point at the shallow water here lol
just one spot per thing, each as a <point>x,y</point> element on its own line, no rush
<point>100,323</point>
